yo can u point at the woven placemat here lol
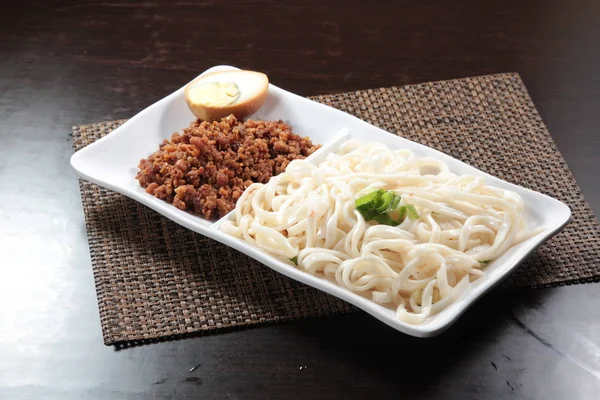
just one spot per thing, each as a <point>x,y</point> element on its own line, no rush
<point>156,279</point>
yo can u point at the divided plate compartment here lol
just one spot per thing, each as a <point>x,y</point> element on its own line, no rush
<point>112,162</point>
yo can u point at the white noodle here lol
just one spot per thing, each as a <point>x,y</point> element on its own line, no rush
<point>418,267</point>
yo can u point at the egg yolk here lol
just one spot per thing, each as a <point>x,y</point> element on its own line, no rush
<point>214,94</point>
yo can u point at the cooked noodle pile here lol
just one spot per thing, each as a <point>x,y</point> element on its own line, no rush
<point>308,215</point>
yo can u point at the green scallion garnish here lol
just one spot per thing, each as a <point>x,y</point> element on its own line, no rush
<point>383,207</point>
<point>412,212</point>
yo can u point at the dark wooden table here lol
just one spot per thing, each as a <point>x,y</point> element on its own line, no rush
<point>71,62</point>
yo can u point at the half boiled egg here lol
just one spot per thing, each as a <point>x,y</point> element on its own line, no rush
<point>218,94</point>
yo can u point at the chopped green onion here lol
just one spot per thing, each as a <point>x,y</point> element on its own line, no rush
<point>367,202</point>
<point>395,203</point>
<point>294,260</point>
<point>377,205</point>
<point>412,212</point>
<point>486,261</point>
<point>387,198</point>
<point>385,219</point>
<point>382,206</point>
<point>401,211</point>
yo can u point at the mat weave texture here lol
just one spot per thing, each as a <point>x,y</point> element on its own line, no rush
<point>155,279</point>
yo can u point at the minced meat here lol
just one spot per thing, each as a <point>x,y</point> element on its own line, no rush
<point>205,169</point>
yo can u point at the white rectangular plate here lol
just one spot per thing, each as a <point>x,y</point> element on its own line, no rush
<point>112,162</point>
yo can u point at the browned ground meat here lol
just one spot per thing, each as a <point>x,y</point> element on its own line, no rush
<point>205,169</point>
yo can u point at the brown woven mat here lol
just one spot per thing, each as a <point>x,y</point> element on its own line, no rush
<point>156,279</point>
